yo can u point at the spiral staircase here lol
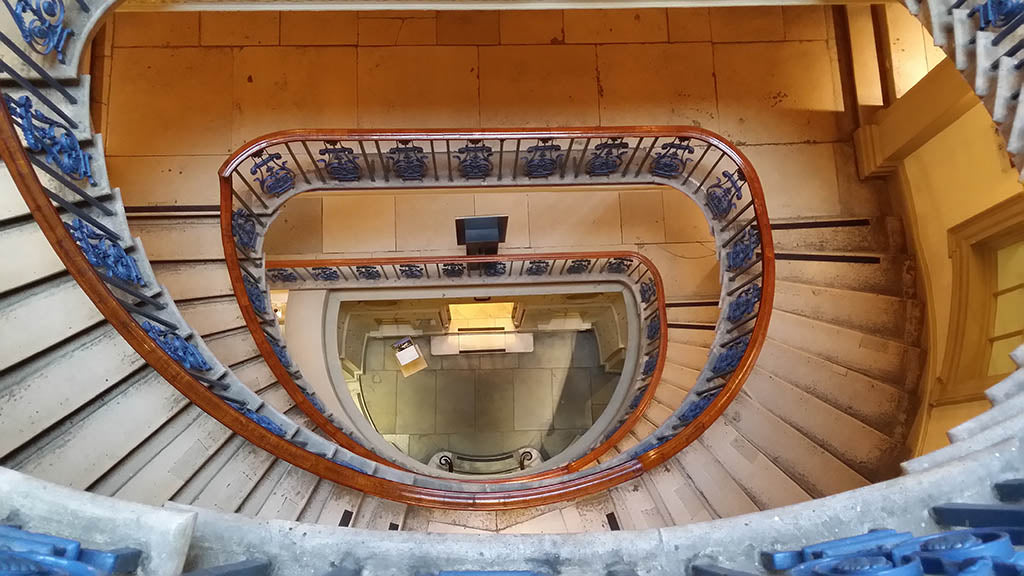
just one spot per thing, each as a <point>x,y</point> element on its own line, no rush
<point>167,384</point>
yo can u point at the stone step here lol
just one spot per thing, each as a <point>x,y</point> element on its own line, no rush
<point>315,504</point>
<point>233,346</point>
<point>179,239</point>
<point>90,446</point>
<point>180,459</point>
<point>991,417</point>
<point>198,482</point>
<point>78,112</point>
<point>379,514</point>
<point>838,235</point>
<point>670,395</point>
<point>341,506</point>
<point>236,478</point>
<point>767,485</point>
<point>884,277</point>
<point>886,360</point>
<point>886,316</point>
<point>1008,388</point>
<point>77,20</point>
<point>692,357</point>
<point>421,519</point>
<point>289,497</point>
<point>206,316</point>
<point>680,502</point>
<point>28,256</point>
<point>875,403</point>
<point>814,469</point>
<point>709,477</point>
<point>861,447</point>
<point>12,204</point>
<point>692,314</point>
<point>254,373</point>
<point>693,337</point>
<point>35,395</point>
<point>41,316</point>
<point>679,376</point>
<point>1011,428</point>
<point>635,507</point>
<point>262,489</point>
<point>194,280</point>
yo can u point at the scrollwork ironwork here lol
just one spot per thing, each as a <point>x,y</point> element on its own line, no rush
<point>44,134</point>
<point>475,160</point>
<point>243,228</point>
<point>721,195</point>
<point>744,304</point>
<point>542,159</point>
<point>619,265</point>
<point>537,267</point>
<point>283,275</point>
<point>41,23</point>
<point>607,157</point>
<point>368,272</point>
<point>324,274</point>
<point>411,271</point>
<point>743,249</point>
<point>672,160</point>
<point>729,358</point>
<point>104,253</point>
<point>578,266</point>
<point>408,161</point>
<point>340,163</point>
<point>453,270</point>
<point>273,174</point>
<point>177,347</point>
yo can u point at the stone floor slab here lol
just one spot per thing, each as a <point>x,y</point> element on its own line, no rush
<point>494,400</point>
<point>417,401</point>
<point>532,393</point>
<point>456,406</point>
<point>379,394</point>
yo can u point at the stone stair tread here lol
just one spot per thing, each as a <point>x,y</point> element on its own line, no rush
<point>817,471</point>
<point>885,277</point>
<point>714,483</point>
<point>177,239</point>
<point>78,112</point>
<point>765,484</point>
<point>680,501</point>
<point>635,507</point>
<point>1008,388</point>
<point>992,417</point>
<point>877,314</point>
<point>887,360</point>
<point>32,398</point>
<point>687,356</point>
<point>871,401</point>
<point>1010,428</point>
<point>378,514</point>
<point>858,445</point>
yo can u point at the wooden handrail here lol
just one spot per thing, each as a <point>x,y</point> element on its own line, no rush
<point>591,455</point>
<point>121,319</point>
<point>656,455</point>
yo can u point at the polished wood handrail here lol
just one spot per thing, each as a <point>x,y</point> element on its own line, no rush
<point>654,456</point>
<point>635,414</point>
<point>121,319</point>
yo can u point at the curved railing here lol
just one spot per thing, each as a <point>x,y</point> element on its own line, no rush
<point>631,269</point>
<point>260,177</point>
<point>87,230</point>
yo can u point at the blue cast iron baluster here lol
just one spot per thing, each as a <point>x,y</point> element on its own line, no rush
<point>607,157</point>
<point>341,162</point>
<point>672,160</point>
<point>255,294</point>
<point>475,160</point>
<point>104,253</point>
<point>744,304</point>
<point>368,272</point>
<point>729,358</point>
<point>408,162</point>
<point>324,274</point>
<point>25,553</point>
<point>280,352</point>
<point>314,401</point>
<point>177,347</point>
<point>243,228</point>
<point>654,328</point>
<point>637,397</point>
<point>41,23</point>
<point>996,13</point>
<point>410,271</point>
<point>493,269</point>
<point>537,267</point>
<point>650,364</point>
<point>44,134</point>
<point>743,249</point>
<point>268,424</point>
<point>648,291</point>
<point>282,275</point>
<point>273,175</point>
<point>578,266</point>
<point>542,159</point>
<point>721,195</point>
<point>695,409</point>
<point>619,265</point>
<point>453,270</point>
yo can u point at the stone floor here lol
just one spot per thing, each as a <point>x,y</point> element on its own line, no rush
<point>483,404</point>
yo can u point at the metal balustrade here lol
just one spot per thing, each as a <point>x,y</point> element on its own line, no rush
<point>259,178</point>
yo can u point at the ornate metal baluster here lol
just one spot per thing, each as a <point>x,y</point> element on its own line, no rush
<point>474,160</point>
<point>408,162</point>
<point>325,274</point>
<point>280,352</point>
<point>721,196</point>
<point>673,158</point>
<point>410,271</point>
<point>368,273</point>
<point>41,23</point>
<point>177,348</point>
<point>654,328</point>
<point>648,291</point>
<point>340,163</point>
<point>264,421</point>
<point>607,157</point>
<point>44,134</point>
<point>578,266</point>
<point>104,253</point>
<point>243,228</point>
<point>743,249</point>
<point>538,267</point>
<point>453,270</point>
<point>729,358</point>
<point>282,275</point>
<point>542,159</point>
<point>273,175</point>
<point>744,304</point>
<point>255,294</point>
<point>619,265</point>
<point>494,269</point>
